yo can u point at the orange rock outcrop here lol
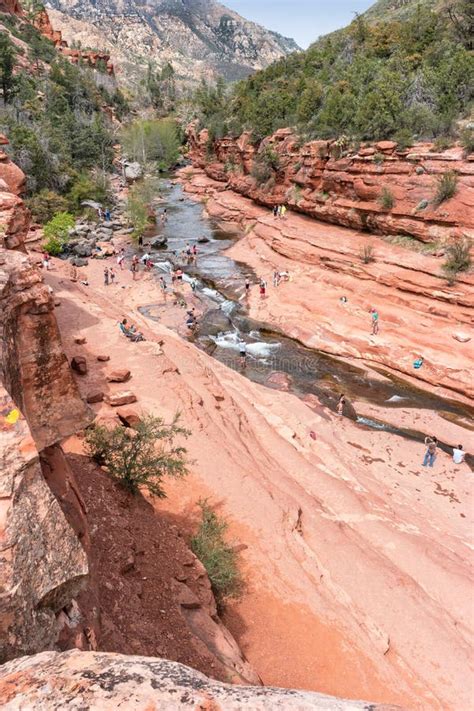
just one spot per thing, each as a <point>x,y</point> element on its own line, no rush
<point>347,190</point>
<point>75,56</point>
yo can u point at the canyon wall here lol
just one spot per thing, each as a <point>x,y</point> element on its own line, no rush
<point>104,682</point>
<point>346,190</point>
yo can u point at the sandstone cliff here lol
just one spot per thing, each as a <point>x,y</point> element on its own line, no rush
<point>346,191</point>
<point>104,682</point>
<point>42,563</point>
<point>200,39</point>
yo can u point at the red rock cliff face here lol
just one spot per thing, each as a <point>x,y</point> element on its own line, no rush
<point>347,190</point>
<point>93,59</point>
<point>11,6</point>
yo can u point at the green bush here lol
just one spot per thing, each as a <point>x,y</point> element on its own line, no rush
<point>386,199</point>
<point>139,201</point>
<point>446,187</point>
<point>139,458</point>
<point>88,186</point>
<point>442,143</point>
<point>219,559</point>
<point>152,141</point>
<point>458,258</point>
<point>45,204</point>
<point>56,232</point>
<point>467,140</point>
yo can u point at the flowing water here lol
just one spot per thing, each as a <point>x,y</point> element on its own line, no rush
<point>273,358</point>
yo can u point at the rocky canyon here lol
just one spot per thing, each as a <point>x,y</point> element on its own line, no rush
<point>301,425</point>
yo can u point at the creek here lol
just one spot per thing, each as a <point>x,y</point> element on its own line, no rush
<point>273,358</point>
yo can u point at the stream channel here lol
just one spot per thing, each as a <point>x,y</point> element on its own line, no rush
<point>219,287</point>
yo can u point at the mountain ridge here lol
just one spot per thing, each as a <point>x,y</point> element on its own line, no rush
<point>201,40</point>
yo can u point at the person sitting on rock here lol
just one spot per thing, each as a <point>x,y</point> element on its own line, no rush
<point>130,331</point>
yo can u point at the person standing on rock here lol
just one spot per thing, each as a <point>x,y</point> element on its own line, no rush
<point>243,353</point>
<point>283,211</point>
<point>247,288</point>
<point>340,405</point>
<point>107,215</point>
<point>430,454</point>
<point>140,241</point>
<point>134,266</point>
<point>263,288</point>
<point>163,287</point>
<point>46,261</point>
<point>112,275</point>
<point>120,258</point>
<point>106,276</point>
<point>375,321</point>
<point>275,211</point>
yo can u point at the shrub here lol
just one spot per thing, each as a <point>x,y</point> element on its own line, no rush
<point>378,158</point>
<point>56,232</point>
<point>140,457</point>
<point>367,254</point>
<point>458,258</point>
<point>386,199</point>
<point>261,172</point>
<point>446,187</point>
<point>442,143</point>
<point>219,559</point>
<point>88,186</point>
<point>46,204</point>
<point>139,201</point>
<point>467,140</point>
<point>404,138</point>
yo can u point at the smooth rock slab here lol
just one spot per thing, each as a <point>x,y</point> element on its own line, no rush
<point>121,398</point>
<point>98,681</point>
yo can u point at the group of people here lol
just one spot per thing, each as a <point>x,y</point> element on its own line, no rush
<point>279,211</point>
<point>431,451</point>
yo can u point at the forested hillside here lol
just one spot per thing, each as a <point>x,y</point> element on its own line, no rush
<point>402,68</point>
<point>58,118</point>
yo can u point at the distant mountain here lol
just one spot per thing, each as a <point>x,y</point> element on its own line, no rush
<point>199,38</point>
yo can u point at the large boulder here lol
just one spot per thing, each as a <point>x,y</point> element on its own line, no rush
<point>104,682</point>
<point>133,171</point>
<point>33,365</point>
<point>42,564</point>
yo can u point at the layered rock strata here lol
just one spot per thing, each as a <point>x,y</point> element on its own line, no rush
<point>104,682</point>
<point>42,563</point>
<point>348,190</point>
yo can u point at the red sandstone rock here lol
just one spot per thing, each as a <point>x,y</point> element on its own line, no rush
<point>80,340</point>
<point>386,145</point>
<point>79,364</point>
<point>119,376</point>
<point>121,398</point>
<point>94,397</point>
<point>129,417</point>
<point>103,358</point>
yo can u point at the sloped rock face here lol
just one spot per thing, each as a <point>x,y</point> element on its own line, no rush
<point>11,6</point>
<point>33,366</point>
<point>105,682</point>
<point>348,191</point>
<point>42,563</point>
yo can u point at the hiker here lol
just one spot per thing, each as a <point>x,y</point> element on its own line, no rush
<point>263,287</point>
<point>279,211</point>
<point>430,454</point>
<point>140,241</point>
<point>112,275</point>
<point>120,258</point>
<point>134,267</point>
<point>276,278</point>
<point>275,211</point>
<point>283,211</point>
<point>375,321</point>
<point>163,287</point>
<point>247,288</point>
<point>340,405</point>
<point>106,276</point>
<point>107,215</point>
<point>458,454</point>
<point>46,261</point>
<point>243,353</point>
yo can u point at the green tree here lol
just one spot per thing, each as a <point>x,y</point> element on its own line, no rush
<point>142,457</point>
<point>7,65</point>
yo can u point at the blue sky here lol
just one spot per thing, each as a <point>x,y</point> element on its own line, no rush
<point>304,20</point>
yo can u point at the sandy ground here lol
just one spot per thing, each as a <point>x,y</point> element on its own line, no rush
<point>357,559</point>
